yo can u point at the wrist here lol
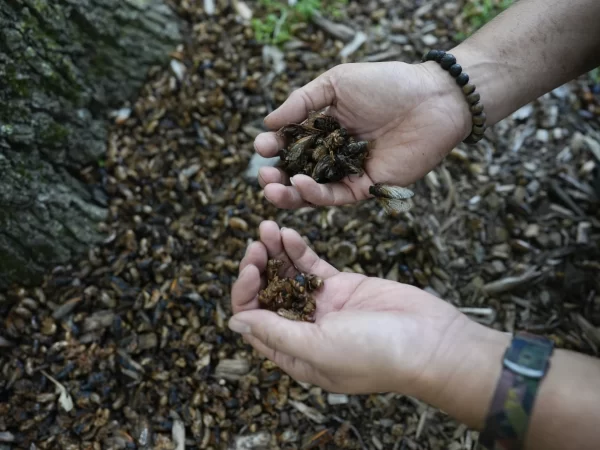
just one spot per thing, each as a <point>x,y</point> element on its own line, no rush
<point>495,82</point>
<point>491,80</point>
<point>463,376</point>
<point>445,94</point>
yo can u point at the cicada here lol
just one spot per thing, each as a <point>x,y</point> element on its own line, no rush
<point>393,199</point>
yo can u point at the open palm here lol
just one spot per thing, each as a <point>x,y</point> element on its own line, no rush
<point>394,104</point>
<point>391,330</point>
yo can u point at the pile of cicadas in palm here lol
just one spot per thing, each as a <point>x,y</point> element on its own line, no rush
<point>324,150</point>
<point>290,297</point>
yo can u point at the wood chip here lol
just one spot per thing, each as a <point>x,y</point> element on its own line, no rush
<point>359,39</point>
<point>64,400</point>
<point>308,411</point>
<point>242,9</point>
<point>179,434</point>
<point>340,31</point>
<point>209,7</point>
<point>510,283</point>
<point>232,369</point>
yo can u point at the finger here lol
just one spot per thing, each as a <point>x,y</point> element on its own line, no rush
<point>284,197</point>
<point>314,96</point>
<point>295,367</point>
<point>331,194</point>
<point>244,292</point>
<point>268,175</point>
<point>256,254</point>
<point>293,338</point>
<point>268,144</point>
<point>270,235</point>
<point>304,257</point>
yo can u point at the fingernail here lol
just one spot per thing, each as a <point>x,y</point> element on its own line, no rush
<point>292,182</point>
<point>238,326</point>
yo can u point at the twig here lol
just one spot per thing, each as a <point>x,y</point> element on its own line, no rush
<point>64,399</point>
<point>478,311</point>
<point>448,223</point>
<point>421,424</point>
<point>279,23</point>
<point>565,198</point>
<point>589,331</point>
<point>451,197</point>
<point>510,283</point>
<point>583,187</point>
<point>354,430</point>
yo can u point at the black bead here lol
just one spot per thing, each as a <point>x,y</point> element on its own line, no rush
<point>431,55</point>
<point>462,79</point>
<point>440,55</point>
<point>447,61</point>
<point>455,70</point>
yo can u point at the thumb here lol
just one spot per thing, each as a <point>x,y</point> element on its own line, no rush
<point>314,96</point>
<point>294,338</point>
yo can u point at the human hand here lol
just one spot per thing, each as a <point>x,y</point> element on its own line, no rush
<point>415,114</point>
<point>370,335</point>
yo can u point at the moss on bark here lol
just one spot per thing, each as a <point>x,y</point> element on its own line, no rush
<point>64,64</point>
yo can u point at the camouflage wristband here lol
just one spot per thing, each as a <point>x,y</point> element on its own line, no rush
<point>525,364</point>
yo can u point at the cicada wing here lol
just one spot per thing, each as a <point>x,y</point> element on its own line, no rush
<point>395,205</point>
<point>294,131</point>
<point>296,150</point>
<point>380,190</point>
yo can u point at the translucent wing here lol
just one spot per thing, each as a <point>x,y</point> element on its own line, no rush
<point>299,147</point>
<point>391,192</point>
<point>395,205</point>
<point>296,131</point>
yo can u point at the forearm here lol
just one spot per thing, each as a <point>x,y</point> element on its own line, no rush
<point>528,50</point>
<point>567,407</point>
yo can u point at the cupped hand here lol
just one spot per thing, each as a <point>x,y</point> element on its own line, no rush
<point>370,335</point>
<point>415,114</point>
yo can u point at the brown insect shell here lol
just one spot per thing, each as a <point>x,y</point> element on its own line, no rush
<point>314,282</point>
<point>319,152</point>
<point>298,148</point>
<point>298,286</point>
<point>326,123</point>
<point>291,315</point>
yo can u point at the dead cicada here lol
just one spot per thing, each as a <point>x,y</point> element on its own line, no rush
<point>393,199</point>
<point>324,150</point>
<point>291,298</point>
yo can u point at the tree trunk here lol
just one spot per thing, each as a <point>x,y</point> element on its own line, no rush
<point>63,65</point>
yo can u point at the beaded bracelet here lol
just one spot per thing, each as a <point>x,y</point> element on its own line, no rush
<point>448,63</point>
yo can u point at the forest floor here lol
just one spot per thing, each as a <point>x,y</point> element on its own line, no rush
<point>136,332</point>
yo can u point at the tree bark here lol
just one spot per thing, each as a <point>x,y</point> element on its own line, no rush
<point>63,65</point>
